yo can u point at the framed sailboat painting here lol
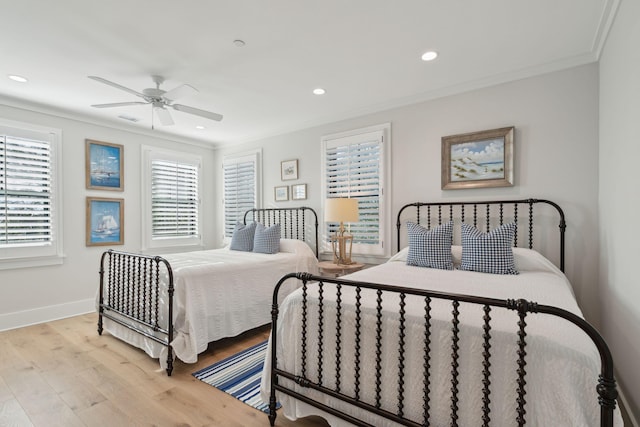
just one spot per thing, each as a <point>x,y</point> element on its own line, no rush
<point>104,163</point>
<point>105,221</point>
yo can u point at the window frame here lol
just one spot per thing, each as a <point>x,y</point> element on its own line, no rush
<point>252,155</point>
<point>39,254</point>
<point>149,154</point>
<point>364,253</point>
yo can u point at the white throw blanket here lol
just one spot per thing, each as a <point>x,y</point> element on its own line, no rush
<point>219,293</point>
<point>562,363</point>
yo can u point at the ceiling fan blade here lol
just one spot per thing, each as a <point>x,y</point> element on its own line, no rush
<point>117,86</point>
<point>119,104</point>
<point>164,116</point>
<point>196,111</point>
<point>179,92</point>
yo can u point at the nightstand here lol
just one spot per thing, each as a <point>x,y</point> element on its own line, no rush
<point>328,268</point>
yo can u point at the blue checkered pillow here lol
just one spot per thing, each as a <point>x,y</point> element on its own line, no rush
<point>267,239</point>
<point>488,252</point>
<point>430,248</point>
<point>242,238</point>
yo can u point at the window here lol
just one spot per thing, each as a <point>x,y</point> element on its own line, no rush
<point>172,209</point>
<point>30,210</point>
<point>355,165</point>
<point>241,187</point>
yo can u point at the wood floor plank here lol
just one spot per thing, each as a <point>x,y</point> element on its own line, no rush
<point>104,414</point>
<point>12,414</point>
<point>64,373</point>
<point>40,402</point>
<point>5,392</point>
<point>9,356</point>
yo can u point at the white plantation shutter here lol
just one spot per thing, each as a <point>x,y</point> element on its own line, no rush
<point>174,199</point>
<point>171,214</point>
<point>240,182</point>
<point>25,191</point>
<point>353,167</point>
<point>29,217</point>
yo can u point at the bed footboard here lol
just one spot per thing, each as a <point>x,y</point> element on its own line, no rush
<point>330,330</point>
<point>131,289</point>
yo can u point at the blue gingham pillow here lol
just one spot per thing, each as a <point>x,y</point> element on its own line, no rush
<point>430,248</point>
<point>488,252</point>
<point>242,238</point>
<point>267,239</point>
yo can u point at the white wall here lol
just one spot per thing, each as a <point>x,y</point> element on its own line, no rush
<point>620,197</point>
<point>556,149</point>
<point>32,295</point>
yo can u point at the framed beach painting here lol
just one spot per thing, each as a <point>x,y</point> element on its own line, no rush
<point>104,165</point>
<point>105,221</point>
<point>478,159</point>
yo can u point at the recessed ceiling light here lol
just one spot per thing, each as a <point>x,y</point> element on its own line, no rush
<point>430,55</point>
<point>16,78</point>
<point>199,127</point>
<point>319,91</point>
<point>239,43</point>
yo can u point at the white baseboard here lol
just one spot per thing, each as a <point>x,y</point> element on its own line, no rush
<point>20,319</point>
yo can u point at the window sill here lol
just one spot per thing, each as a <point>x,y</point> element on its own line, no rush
<point>16,263</point>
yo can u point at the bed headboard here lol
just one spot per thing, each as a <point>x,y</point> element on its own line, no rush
<point>293,222</point>
<point>488,214</point>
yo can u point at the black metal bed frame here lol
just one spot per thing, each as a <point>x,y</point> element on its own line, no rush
<point>486,210</point>
<point>288,218</point>
<point>605,392</point>
<point>131,284</point>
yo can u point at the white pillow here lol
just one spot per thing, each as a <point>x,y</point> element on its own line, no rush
<point>525,259</point>
<point>401,256</point>
<point>295,247</point>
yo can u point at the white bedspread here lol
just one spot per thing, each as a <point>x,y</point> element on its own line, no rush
<point>562,363</point>
<point>220,293</point>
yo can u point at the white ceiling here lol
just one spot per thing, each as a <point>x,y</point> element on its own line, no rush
<point>364,53</point>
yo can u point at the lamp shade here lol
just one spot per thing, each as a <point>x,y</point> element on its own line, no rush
<point>341,210</point>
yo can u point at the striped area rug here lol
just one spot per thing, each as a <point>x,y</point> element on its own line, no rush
<point>239,376</point>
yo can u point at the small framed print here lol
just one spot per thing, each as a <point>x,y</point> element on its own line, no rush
<point>299,192</point>
<point>105,221</point>
<point>289,169</point>
<point>104,163</point>
<point>281,193</point>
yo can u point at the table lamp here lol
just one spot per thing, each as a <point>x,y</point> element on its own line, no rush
<point>341,210</point>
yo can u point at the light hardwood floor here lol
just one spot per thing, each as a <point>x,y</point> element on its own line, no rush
<point>63,373</point>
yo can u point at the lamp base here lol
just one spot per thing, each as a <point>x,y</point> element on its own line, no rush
<point>341,255</point>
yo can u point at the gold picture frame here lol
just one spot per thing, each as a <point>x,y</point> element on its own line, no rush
<point>104,165</point>
<point>478,159</point>
<point>105,221</point>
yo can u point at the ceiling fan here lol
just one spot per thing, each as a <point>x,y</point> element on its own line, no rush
<point>159,99</point>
